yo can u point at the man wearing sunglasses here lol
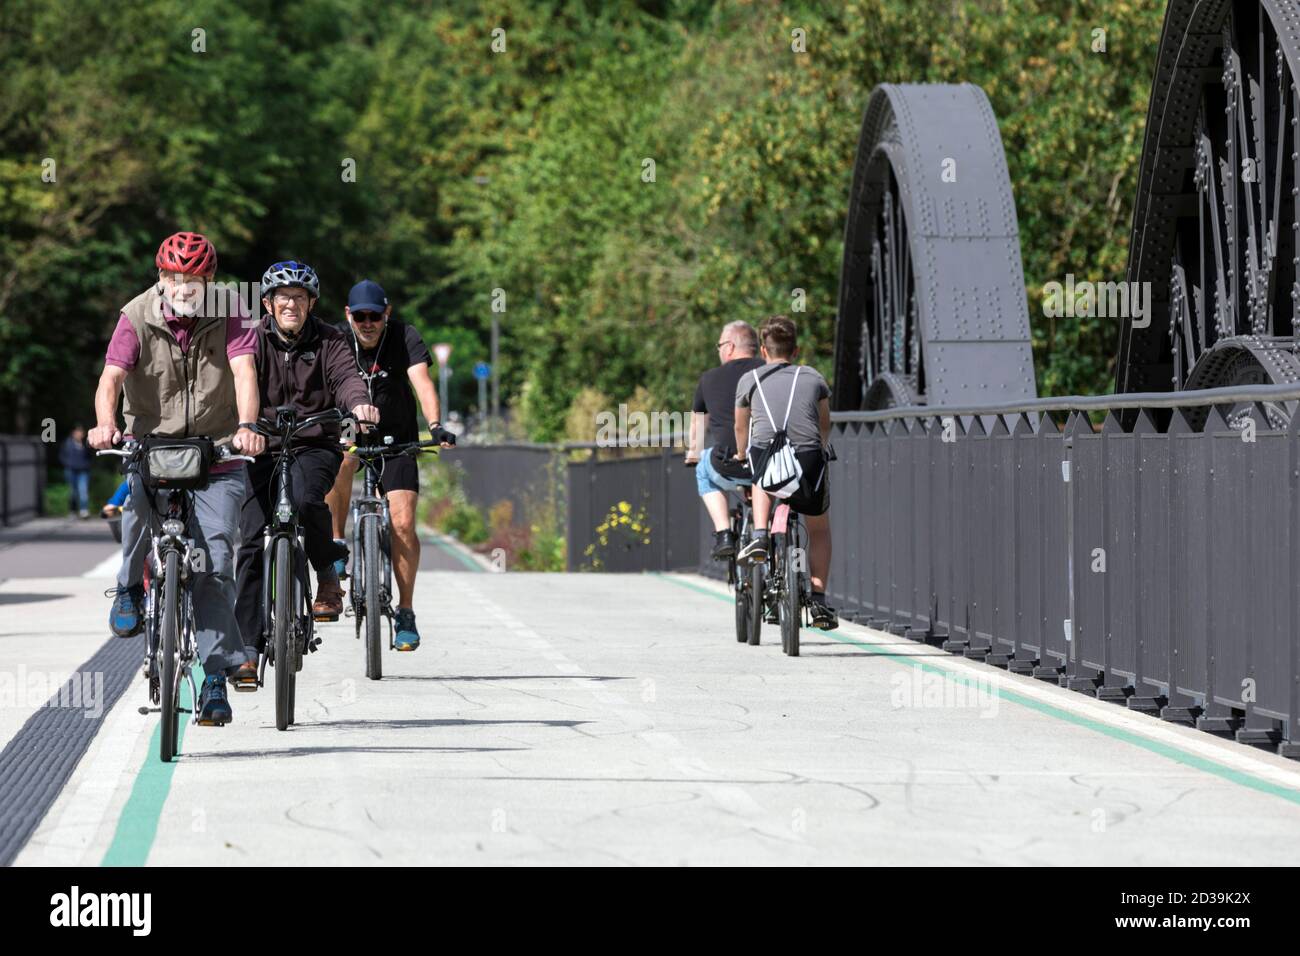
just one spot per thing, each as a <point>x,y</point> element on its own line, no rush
<point>713,417</point>
<point>394,362</point>
<point>304,362</point>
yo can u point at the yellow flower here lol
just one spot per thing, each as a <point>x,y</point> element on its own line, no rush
<point>624,507</point>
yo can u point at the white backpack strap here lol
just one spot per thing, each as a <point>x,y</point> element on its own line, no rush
<point>789,404</point>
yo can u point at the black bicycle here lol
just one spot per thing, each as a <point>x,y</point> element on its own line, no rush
<point>173,560</point>
<point>286,582</point>
<point>746,582</point>
<point>371,593</point>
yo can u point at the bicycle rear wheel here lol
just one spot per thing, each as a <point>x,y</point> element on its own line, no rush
<point>282,603</point>
<point>169,686</point>
<point>370,547</point>
<point>791,598</point>
<point>755,595</point>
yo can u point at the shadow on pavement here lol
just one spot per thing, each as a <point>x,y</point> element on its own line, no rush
<point>404,723</point>
<point>22,598</point>
<point>318,751</point>
<point>502,677</point>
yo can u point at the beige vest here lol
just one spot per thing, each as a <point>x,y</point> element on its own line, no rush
<point>175,394</point>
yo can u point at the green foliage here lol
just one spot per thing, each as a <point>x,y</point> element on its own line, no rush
<point>524,170</point>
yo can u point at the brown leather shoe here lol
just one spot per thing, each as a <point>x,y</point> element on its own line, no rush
<point>329,601</point>
<point>245,679</point>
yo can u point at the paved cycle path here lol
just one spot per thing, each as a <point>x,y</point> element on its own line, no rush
<point>594,719</point>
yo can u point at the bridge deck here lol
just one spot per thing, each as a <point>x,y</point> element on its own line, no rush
<point>609,719</point>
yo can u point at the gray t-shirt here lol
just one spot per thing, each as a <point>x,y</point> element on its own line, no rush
<point>804,426</point>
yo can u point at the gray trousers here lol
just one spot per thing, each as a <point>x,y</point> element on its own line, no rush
<point>214,526</point>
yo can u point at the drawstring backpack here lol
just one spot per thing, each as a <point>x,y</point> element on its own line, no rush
<point>777,471</point>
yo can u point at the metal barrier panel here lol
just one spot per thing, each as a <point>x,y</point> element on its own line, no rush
<point>647,507</point>
<point>529,477</point>
<point>1092,532</point>
<point>1154,555</point>
<point>1189,570</point>
<point>1029,568</point>
<point>1055,605</point>
<point>22,478</point>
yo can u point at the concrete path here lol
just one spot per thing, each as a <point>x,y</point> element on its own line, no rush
<point>589,719</point>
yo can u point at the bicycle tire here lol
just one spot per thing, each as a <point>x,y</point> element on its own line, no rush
<point>755,592</point>
<point>357,579</point>
<point>740,591</point>
<point>370,546</point>
<point>791,603</point>
<point>282,603</point>
<point>169,686</point>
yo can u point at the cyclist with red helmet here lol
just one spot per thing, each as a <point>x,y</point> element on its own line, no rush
<point>182,373</point>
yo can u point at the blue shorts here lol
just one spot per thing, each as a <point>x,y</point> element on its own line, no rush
<point>707,478</point>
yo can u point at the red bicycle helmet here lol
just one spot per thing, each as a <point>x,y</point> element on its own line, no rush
<point>189,253</point>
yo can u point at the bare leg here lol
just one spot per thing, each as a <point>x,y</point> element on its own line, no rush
<point>762,508</point>
<point>340,496</point>
<point>715,503</point>
<point>406,544</point>
<point>819,549</point>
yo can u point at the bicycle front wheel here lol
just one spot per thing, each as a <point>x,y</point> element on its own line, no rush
<point>370,548</point>
<point>740,585</point>
<point>170,684</point>
<point>282,637</point>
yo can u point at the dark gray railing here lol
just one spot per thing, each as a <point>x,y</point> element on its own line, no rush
<point>1151,561</point>
<point>22,478</point>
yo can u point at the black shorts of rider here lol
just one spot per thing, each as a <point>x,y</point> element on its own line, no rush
<point>813,496</point>
<point>400,474</point>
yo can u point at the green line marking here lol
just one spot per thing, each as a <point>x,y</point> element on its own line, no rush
<point>138,824</point>
<point>456,553</point>
<point>1051,710</point>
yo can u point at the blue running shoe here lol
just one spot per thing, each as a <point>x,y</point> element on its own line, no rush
<point>407,637</point>
<point>341,565</point>
<point>214,708</point>
<point>125,618</point>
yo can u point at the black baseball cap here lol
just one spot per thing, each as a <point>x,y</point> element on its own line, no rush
<point>367,296</point>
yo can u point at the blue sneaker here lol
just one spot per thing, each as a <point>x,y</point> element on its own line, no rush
<point>125,618</point>
<point>407,637</point>
<point>214,708</point>
<point>341,565</point>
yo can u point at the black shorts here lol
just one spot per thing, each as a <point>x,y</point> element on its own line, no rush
<point>400,474</point>
<point>813,496</point>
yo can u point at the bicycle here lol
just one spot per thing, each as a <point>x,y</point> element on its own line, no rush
<point>170,649</point>
<point>287,619</point>
<point>371,592</point>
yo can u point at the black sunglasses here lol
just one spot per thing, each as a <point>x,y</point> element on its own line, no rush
<point>367,316</point>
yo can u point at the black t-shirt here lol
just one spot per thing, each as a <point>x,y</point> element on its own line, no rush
<point>716,396</point>
<point>384,369</point>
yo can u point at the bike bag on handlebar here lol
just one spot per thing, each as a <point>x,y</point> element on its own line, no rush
<point>182,463</point>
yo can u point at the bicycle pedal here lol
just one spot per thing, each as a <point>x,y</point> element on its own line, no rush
<point>211,723</point>
<point>324,618</point>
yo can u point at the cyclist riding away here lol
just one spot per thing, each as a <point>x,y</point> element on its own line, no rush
<point>184,374</point>
<point>808,427</point>
<point>306,363</point>
<point>394,362</point>
<point>717,470</point>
